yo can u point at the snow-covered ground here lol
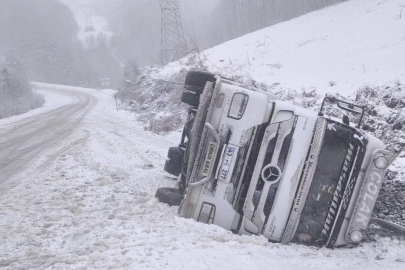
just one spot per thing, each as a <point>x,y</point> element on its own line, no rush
<point>88,203</point>
<point>352,44</point>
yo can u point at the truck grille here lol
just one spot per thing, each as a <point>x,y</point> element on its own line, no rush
<point>282,157</point>
<point>285,150</point>
<point>254,153</point>
<point>260,182</point>
<point>271,196</point>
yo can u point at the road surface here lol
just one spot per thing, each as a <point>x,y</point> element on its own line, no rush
<point>24,140</point>
<point>77,192</point>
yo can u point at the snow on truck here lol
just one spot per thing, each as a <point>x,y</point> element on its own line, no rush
<point>254,164</point>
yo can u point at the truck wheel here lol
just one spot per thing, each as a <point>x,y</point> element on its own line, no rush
<point>196,81</point>
<point>191,99</point>
<point>172,168</point>
<point>170,196</point>
<point>176,154</point>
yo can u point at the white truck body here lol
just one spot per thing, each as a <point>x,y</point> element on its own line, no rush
<point>265,166</point>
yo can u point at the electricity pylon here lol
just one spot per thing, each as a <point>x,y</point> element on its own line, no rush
<point>88,14</point>
<point>173,42</point>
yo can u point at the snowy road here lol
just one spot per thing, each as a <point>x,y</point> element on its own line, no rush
<point>77,192</point>
<point>22,141</point>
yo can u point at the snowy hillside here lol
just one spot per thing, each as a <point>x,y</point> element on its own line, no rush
<point>340,49</point>
<point>356,43</point>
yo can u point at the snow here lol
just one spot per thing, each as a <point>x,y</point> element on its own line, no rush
<point>88,203</point>
<point>352,44</point>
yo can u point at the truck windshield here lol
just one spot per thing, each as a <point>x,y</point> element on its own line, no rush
<point>333,169</point>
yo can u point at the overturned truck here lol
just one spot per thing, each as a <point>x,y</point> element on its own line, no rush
<point>256,165</point>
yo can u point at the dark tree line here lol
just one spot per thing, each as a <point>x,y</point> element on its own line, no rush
<point>234,18</point>
<point>207,23</point>
<point>16,95</point>
<point>44,35</point>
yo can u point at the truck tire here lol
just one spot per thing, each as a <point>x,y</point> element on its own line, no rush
<point>170,196</point>
<point>196,81</point>
<point>176,154</point>
<point>172,168</point>
<point>191,99</point>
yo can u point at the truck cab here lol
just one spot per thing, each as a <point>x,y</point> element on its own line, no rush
<point>256,165</point>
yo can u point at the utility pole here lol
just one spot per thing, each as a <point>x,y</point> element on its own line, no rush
<point>173,42</point>
<point>88,11</point>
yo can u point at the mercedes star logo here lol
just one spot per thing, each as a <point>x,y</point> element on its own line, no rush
<point>271,173</point>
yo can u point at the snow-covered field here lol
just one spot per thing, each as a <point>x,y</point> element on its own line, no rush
<point>352,44</point>
<point>92,206</point>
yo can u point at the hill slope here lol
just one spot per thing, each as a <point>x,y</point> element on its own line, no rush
<point>356,43</point>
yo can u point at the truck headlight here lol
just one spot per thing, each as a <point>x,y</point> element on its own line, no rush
<point>356,236</point>
<point>381,162</point>
<point>207,213</point>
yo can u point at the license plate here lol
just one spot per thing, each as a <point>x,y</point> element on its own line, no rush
<point>226,163</point>
<point>209,158</point>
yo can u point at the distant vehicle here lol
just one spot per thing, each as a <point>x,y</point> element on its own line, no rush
<point>256,165</point>
<point>105,83</point>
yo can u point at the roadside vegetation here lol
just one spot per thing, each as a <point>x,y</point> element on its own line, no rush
<point>16,95</point>
<point>43,34</point>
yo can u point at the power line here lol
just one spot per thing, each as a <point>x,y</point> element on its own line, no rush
<point>118,8</point>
